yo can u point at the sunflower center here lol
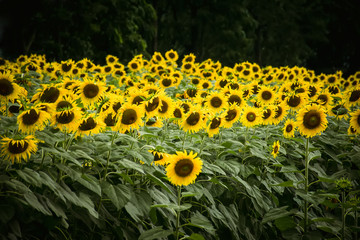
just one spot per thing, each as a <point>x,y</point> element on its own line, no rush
<point>266,95</point>
<point>323,99</point>
<point>184,167</point>
<point>193,119</point>
<point>216,102</point>
<point>171,55</point>
<point>50,95</point>
<point>65,117</point>
<point>116,106</point>
<point>110,120</point>
<point>107,69</point>
<point>150,122</point>
<point>91,90</point>
<point>66,67</point>
<point>354,96</point>
<point>164,107</point>
<point>312,91</point>
<point>134,65</point>
<point>246,93</point>
<point>278,112</point>
<point>16,148</point>
<point>251,116</point>
<point>312,119</point>
<point>6,87</point>
<point>205,85</point>
<point>137,100</point>
<point>153,105</point>
<point>215,123</point>
<point>166,82</point>
<point>289,128</point>
<point>231,114</point>
<point>234,99</point>
<point>223,83</point>
<point>331,79</point>
<point>266,113</point>
<point>191,92</point>
<point>195,81</point>
<point>129,117</point>
<point>62,105</point>
<point>276,149</point>
<point>87,124</point>
<point>177,113</point>
<point>294,101</point>
<point>30,117</point>
<point>158,157</point>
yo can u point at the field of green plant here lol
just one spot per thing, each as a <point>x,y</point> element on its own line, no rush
<point>173,148</point>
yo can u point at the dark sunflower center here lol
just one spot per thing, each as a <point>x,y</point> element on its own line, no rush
<point>6,87</point>
<point>289,128</point>
<point>323,99</point>
<point>312,91</point>
<point>251,116</point>
<point>166,82</point>
<point>234,86</point>
<point>205,85</point>
<point>358,120</point>
<point>234,99</point>
<point>230,115</point>
<point>150,122</point>
<point>266,95</point>
<point>153,105</point>
<point>129,117</point>
<point>177,113</point>
<point>195,81</point>
<point>223,83</point>
<point>50,95</point>
<point>191,92</point>
<point>107,69</point>
<point>134,66</point>
<point>215,102</point>
<point>30,117</point>
<point>65,117</point>
<point>110,120</point>
<point>111,59</point>
<point>246,93</point>
<point>334,90</point>
<point>14,109</point>
<point>158,157</point>
<point>116,106</point>
<point>331,79</point>
<point>278,112</point>
<point>171,55</point>
<point>193,119</point>
<point>354,96</point>
<point>66,67</point>
<point>215,123</point>
<point>294,101</point>
<point>312,119</point>
<point>137,100</point>
<point>266,114</point>
<point>16,148</point>
<point>184,167</point>
<point>62,105</point>
<point>276,149</point>
<point>246,72</point>
<point>91,90</point>
<point>164,107</point>
<point>87,124</point>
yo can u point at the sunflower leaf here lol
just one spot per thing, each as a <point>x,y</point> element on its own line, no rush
<point>155,233</point>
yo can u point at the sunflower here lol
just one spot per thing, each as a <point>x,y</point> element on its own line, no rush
<point>32,120</point>
<point>338,110</point>
<point>137,96</point>
<point>66,115</point>
<point>135,65</point>
<point>66,67</point>
<point>18,148</point>
<point>275,149</point>
<point>214,125</point>
<point>231,115</point>
<point>352,96</point>
<point>166,81</point>
<point>183,168</point>
<point>311,120</point>
<point>91,92</point>
<point>9,90</point>
<point>266,95</point>
<point>281,110</point>
<point>50,94</point>
<point>352,131</point>
<point>167,107</point>
<point>250,117</point>
<point>355,120</point>
<point>178,114</point>
<point>188,67</point>
<point>194,120</point>
<point>111,59</point>
<point>89,125</point>
<point>268,115</point>
<point>216,102</point>
<point>129,117</point>
<point>157,58</point>
<point>289,128</point>
<point>189,58</point>
<point>160,158</point>
<point>171,55</point>
<point>295,101</point>
<point>154,122</point>
<point>324,99</point>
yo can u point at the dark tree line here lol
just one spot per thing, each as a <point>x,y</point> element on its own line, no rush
<point>319,34</point>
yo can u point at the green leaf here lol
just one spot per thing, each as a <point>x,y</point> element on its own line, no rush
<point>110,192</point>
<point>159,182</point>
<point>155,233</point>
<point>276,213</point>
<point>131,165</point>
<point>199,220</point>
<point>7,213</point>
<point>33,201</point>
<point>196,236</point>
<point>173,206</point>
<point>285,184</point>
<point>314,155</point>
<point>285,223</point>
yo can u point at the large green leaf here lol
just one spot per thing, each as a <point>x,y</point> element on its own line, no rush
<point>155,233</point>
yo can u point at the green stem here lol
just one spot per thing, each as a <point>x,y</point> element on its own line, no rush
<point>184,138</point>
<point>343,215</point>
<point>113,137</point>
<point>178,213</point>
<point>306,185</point>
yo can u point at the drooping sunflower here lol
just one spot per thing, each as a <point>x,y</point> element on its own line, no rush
<point>231,115</point>
<point>91,92</point>
<point>289,128</point>
<point>275,149</point>
<point>355,120</point>
<point>33,119</point>
<point>129,117</point>
<point>311,120</point>
<point>9,90</point>
<point>109,118</point>
<point>18,148</point>
<point>167,107</point>
<point>214,125</point>
<point>160,158</point>
<point>49,94</point>
<point>154,122</point>
<point>250,117</point>
<point>268,114</point>
<point>90,124</point>
<point>324,98</point>
<point>281,110</point>
<point>216,102</point>
<point>67,120</point>
<point>338,110</point>
<point>194,120</point>
<point>183,168</point>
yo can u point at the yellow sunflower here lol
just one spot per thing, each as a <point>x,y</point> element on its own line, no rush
<point>167,107</point>
<point>311,120</point>
<point>250,117</point>
<point>183,168</point>
<point>235,97</point>
<point>66,67</point>
<point>153,104</point>
<point>154,122</point>
<point>109,118</point>
<point>18,148</point>
<point>160,158</point>
<point>275,149</point>
<point>194,120</point>
<point>296,101</point>
<point>171,55</point>
<point>355,120</point>
<point>9,90</point>
<point>324,99</point>
<point>352,96</point>
<point>289,128</point>
<point>50,94</point>
<point>281,111</point>
<point>129,117</point>
<point>32,120</point>
<point>352,131</point>
<point>231,115</point>
<point>67,120</point>
<point>268,115</point>
<point>135,65</point>
<point>91,92</point>
<point>266,95</point>
<point>216,102</point>
<point>111,59</point>
<point>89,125</point>
<point>214,125</point>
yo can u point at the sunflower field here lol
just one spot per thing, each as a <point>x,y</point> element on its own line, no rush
<point>173,148</point>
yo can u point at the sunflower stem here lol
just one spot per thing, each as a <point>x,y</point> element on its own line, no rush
<point>178,213</point>
<point>113,137</point>
<point>184,138</point>
<point>306,185</point>
<point>343,215</point>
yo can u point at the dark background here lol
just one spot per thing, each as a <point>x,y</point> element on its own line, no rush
<point>322,35</point>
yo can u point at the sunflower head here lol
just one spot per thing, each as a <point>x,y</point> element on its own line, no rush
<point>275,149</point>
<point>19,148</point>
<point>311,120</point>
